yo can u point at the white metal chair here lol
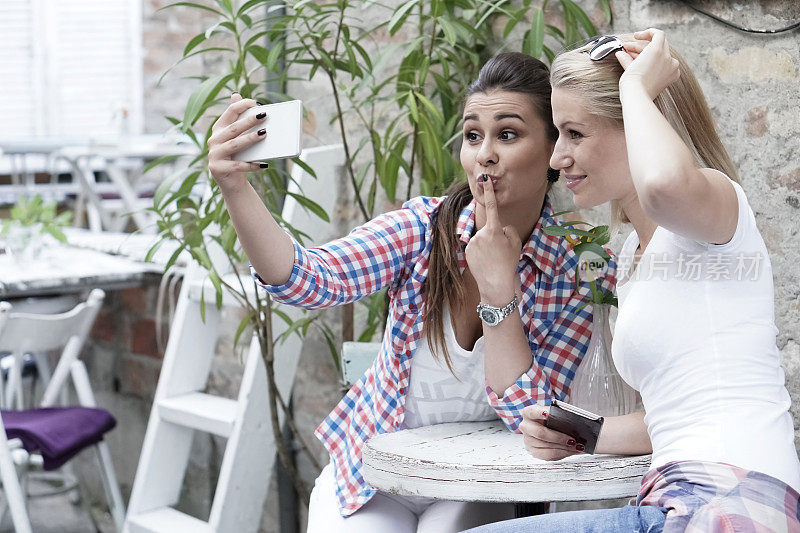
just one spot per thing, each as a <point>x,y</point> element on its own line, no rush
<point>15,500</point>
<point>25,332</point>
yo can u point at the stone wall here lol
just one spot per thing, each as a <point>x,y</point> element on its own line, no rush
<point>751,82</point>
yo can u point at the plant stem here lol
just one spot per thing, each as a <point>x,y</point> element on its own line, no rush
<point>267,345</point>
<point>348,159</point>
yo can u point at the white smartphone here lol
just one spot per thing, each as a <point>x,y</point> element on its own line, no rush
<point>284,125</point>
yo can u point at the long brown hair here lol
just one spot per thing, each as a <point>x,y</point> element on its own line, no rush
<point>513,72</point>
<point>682,103</point>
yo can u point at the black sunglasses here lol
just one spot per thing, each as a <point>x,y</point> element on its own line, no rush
<point>602,46</point>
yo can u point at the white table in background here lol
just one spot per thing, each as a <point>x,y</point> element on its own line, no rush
<point>64,269</point>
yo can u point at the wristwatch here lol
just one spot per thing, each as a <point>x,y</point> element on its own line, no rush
<point>492,316</point>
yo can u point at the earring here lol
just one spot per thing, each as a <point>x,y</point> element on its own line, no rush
<point>552,175</point>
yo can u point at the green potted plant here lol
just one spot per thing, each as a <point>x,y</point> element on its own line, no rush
<point>31,219</point>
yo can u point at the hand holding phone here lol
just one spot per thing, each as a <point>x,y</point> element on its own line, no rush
<point>284,130</point>
<point>579,424</point>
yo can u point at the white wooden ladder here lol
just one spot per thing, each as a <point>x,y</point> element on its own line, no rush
<point>180,409</point>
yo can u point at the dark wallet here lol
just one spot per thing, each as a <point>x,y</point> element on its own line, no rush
<point>579,424</point>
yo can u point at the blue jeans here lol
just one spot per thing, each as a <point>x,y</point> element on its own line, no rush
<point>631,518</point>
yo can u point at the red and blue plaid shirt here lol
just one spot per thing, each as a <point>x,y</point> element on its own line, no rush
<point>393,250</point>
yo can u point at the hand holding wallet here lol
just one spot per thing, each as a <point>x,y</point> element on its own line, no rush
<point>579,424</point>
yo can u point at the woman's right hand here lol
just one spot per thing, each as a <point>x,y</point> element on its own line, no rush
<point>227,139</point>
<point>543,442</point>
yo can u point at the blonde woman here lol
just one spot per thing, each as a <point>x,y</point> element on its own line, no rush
<point>695,333</point>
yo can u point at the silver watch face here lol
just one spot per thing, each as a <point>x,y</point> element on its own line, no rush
<point>489,316</point>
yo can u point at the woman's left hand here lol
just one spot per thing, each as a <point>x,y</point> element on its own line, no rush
<point>543,442</point>
<point>493,254</point>
<point>648,62</point>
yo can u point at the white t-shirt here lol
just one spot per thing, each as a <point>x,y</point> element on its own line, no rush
<point>695,335</point>
<point>435,396</point>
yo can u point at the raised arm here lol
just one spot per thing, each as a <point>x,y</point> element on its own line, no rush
<point>698,203</point>
<point>266,244</point>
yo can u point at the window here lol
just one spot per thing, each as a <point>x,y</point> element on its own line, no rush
<point>70,67</point>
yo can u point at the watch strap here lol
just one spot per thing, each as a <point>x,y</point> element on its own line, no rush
<point>502,311</point>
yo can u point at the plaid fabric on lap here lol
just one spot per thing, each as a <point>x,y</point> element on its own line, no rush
<point>706,497</point>
<point>393,251</point>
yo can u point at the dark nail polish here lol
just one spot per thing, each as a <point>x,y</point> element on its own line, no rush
<point>484,177</point>
<point>261,115</point>
<point>570,442</point>
<point>580,447</point>
<point>264,165</point>
<point>262,131</point>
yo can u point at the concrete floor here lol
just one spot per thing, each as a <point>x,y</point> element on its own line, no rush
<point>55,514</point>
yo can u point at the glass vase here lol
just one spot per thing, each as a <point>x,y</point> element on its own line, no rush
<point>597,386</point>
<point>25,242</point>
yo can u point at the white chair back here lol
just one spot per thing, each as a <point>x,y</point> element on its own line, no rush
<point>28,332</point>
<point>24,333</point>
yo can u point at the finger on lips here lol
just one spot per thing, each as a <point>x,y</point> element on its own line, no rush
<point>490,202</point>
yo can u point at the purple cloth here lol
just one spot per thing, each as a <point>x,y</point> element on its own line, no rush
<point>58,433</point>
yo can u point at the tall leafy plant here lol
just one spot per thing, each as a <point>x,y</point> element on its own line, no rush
<point>401,102</point>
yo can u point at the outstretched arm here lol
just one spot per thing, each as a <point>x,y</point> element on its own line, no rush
<point>267,245</point>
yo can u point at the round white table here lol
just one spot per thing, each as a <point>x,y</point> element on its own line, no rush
<point>484,461</point>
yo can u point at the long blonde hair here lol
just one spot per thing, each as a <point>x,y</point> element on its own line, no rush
<point>682,104</point>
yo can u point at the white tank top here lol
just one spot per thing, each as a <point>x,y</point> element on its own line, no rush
<point>695,335</point>
<point>435,396</point>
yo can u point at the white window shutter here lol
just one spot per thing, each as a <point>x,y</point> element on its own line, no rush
<point>74,66</point>
<point>18,72</point>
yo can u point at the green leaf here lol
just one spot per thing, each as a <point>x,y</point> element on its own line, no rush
<point>310,205</point>
<point>592,247</point>
<point>561,231</point>
<point>412,106</point>
<point>274,54</point>
<point>194,5</point>
<point>174,257</point>
<point>302,164</point>
<point>247,6</point>
<point>201,96</point>
<point>153,249</point>
<point>570,25</point>
<point>606,7</point>
<point>537,34</point>
<point>203,304</point>
<point>513,21</point>
<point>581,17</point>
<point>260,53</point>
<point>449,31</point>
<point>197,39</point>
<point>217,283</point>
<point>246,321</point>
<point>400,15</point>
<point>159,161</point>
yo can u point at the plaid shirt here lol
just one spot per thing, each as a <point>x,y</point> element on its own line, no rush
<point>702,496</point>
<point>393,251</point>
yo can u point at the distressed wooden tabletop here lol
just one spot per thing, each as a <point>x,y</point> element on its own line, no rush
<point>63,269</point>
<point>484,461</point>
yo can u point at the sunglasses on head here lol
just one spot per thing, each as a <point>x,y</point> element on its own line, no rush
<point>601,47</point>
